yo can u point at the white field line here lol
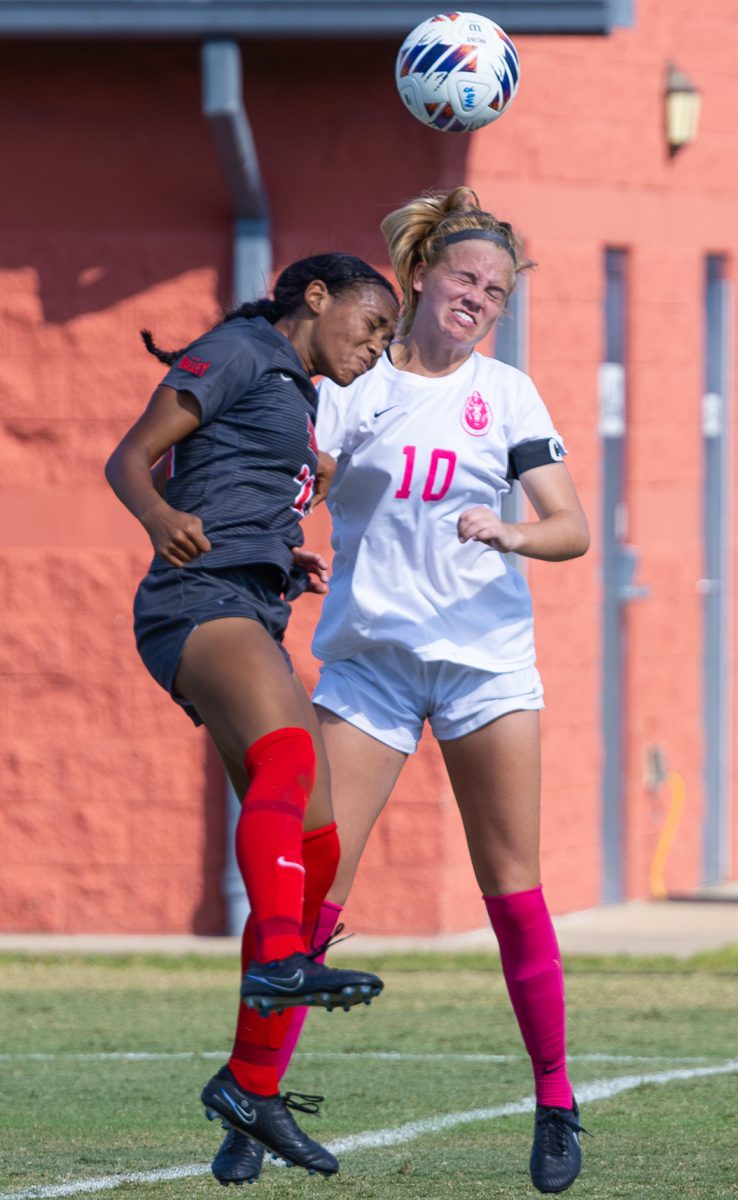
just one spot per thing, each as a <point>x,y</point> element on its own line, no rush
<point>381,1055</point>
<point>598,1089</point>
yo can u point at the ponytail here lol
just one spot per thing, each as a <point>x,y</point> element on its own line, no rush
<point>417,233</point>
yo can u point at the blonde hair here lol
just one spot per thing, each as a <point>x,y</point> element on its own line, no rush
<point>415,234</point>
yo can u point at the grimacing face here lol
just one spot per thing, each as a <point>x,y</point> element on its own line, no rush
<point>353,330</point>
<point>461,297</point>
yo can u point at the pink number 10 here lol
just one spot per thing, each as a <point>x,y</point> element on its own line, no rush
<point>432,490</point>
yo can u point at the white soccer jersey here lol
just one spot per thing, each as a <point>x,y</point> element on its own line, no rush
<point>413,454</point>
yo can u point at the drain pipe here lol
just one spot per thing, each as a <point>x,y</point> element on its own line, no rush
<point>222,105</point>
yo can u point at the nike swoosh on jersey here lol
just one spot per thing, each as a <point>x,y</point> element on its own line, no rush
<point>382,411</point>
<point>285,862</point>
<point>287,985</point>
<point>247,1115</point>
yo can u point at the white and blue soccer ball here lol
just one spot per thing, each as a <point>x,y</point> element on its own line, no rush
<point>457,72</point>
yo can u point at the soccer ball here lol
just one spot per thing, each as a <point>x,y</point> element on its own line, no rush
<point>457,72</point>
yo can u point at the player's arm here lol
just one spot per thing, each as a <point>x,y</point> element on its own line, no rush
<point>323,477</point>
<point>560,532</point>
<point>159,475</point>
<point>170,416</point>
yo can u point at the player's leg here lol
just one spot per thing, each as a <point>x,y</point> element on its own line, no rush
<point>254,1059</point>
<point>258,1043</point>
<point>236,677</point>
<point>363,774</point>
<point>364,771</point>
<point>357,759</point>
<point>495,775</point>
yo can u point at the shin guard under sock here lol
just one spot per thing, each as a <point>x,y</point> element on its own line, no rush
<point>532,968</point>
<point>281,767</point>
<point>257,1048</point>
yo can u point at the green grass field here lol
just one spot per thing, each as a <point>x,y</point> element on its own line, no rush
<point>66,1119</point>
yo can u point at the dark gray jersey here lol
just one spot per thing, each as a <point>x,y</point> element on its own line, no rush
<point>248,471</point>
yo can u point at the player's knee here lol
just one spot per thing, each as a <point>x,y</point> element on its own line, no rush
<point>284,758</point>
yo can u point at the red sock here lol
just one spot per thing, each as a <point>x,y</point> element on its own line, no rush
<point>531,964</point>
<point>258,1046</point>
<point>281,767</point>
<point>322,850</point>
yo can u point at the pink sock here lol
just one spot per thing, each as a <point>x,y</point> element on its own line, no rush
<point>532,968</point>
<point>325,924</point>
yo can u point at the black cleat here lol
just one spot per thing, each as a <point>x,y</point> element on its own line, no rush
<point>239,1159</point>
<point>266,1119</point>
<point>299,980</point>
<point>556,1158</point>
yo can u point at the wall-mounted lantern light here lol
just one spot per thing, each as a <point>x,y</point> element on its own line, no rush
<point>682,109</point>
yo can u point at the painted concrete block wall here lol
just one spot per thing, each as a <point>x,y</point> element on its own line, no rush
<point>118,219</point>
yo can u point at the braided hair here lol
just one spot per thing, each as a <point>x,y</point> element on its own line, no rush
<point>339,273</point>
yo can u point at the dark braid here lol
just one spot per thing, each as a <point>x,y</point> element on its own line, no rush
<point>165,356</point>
<point>338,272</point>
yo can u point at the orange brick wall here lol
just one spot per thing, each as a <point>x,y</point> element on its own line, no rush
<point>118,218</point>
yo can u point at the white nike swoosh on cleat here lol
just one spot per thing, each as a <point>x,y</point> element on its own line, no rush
<point>286,985</point>
<point>247,1115</point>
<point>285,862</point>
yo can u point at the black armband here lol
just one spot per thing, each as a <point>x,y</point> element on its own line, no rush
<point>538,453</point>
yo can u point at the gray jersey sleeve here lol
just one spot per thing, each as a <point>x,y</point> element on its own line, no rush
<point>216,369</point>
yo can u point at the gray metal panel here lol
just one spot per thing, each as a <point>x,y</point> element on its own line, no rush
<point>715,587</point>
<point>222,104</point>
<point>511,334</point>
<point>223,107</point>
<point>511,346</point>
<point>612,429</point>
<point>286,18</point>
<point>621,12</point>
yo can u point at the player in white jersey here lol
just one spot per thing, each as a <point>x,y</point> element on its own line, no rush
<point>426,619</point>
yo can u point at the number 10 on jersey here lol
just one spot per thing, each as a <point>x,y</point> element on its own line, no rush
<point>438,476</point>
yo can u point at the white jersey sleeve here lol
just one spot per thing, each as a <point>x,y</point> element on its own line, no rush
<point>533,440</point>
<point>330,427</point>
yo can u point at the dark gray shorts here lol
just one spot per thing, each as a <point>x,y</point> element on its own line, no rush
<point>170,603</point>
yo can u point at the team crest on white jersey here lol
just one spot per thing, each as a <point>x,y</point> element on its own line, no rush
<point>476,415</point>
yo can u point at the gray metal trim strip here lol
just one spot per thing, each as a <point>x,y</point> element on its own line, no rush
<point>288,18</point>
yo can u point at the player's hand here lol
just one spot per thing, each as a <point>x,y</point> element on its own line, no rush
<point>481,524</point>
<point>177,537</point>
<point>316,567</point>
<point>323,477</point>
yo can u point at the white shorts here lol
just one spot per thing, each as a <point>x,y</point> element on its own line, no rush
<point>389,693</point>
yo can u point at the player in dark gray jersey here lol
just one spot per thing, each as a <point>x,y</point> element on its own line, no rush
<point>234,418</point>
